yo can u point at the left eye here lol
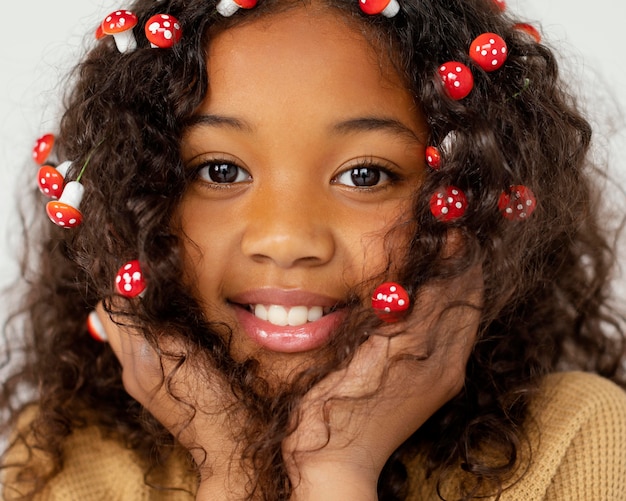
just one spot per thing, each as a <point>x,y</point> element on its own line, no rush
<point>362,177</point>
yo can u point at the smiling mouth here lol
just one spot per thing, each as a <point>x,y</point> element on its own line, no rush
<point>288,315</point>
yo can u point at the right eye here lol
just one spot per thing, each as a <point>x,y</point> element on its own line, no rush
<point>221,172</point>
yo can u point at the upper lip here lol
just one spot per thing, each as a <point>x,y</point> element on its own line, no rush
<point>284,297</point>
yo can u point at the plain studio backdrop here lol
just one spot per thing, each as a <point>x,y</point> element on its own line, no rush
<point>42,43</point>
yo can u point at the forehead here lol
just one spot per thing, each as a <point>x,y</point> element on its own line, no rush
<point>307,45</point>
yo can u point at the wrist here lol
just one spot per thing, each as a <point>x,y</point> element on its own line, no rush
<point>334,482</point>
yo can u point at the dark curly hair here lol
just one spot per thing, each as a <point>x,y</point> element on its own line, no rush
<point>546,304</point>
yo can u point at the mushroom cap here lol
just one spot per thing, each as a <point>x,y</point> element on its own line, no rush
<point>129,280</point>
<point>530,30</point>
<point>63,215</point>
<point>517,203</point>
<point>119,22</point>
<point>373,7</point>
<point>489,51</point>
<point>163,30</point>
<point>228,7</point>
<point>389,301</point>
<point>43,147</point>
<point>99,34</point>
<point>457,78</point>
<point>246,4</point>
<point>50,181</point>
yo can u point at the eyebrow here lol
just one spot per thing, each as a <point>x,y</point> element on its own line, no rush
<point>359,124</point>
<point>367,124</point>
<point>218,121</point>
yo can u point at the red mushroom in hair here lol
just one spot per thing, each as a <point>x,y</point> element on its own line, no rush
<point>228,7</point>
<point>387,8</point>
<point>119,25</point>
<point>95,327</point>
<point>129,280</point>
<point>51,179</point>
<point>99,34</point>
<point>64,211</point>
<point>163,31</point>
<point>43,148</point>
<point>530,30</point>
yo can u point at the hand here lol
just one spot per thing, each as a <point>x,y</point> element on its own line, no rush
<point>195,405</point>
<point>356,418</point>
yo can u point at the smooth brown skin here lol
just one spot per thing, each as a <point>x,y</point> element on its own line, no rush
<point>295,224</point>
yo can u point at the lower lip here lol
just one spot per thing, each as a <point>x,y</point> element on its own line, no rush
<point>288,339</point>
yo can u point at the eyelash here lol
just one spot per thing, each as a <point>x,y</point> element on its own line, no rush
<point>388,176</point>
<point>385,174</point>
<point>216,163</point>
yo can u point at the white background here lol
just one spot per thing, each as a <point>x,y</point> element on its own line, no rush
<point>43,42</point>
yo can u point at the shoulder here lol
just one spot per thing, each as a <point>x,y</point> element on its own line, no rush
<point>96,466</point>
<point>577,431</point>
<point>574,447</point>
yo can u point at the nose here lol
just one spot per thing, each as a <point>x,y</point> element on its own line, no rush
<point>288,228</point>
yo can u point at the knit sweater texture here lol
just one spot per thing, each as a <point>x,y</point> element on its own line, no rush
<point>576,452</point>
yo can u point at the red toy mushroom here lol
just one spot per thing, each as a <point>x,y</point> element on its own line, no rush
<point>500,4</point>
<point>518,203</point>
<point>163,31</point>
<point>51,179</point>
<point>43,148</point>
<point>448,204</point>
<point>99,34</point>
<point>488,51</point>
<point>457,79</point>
<point>129,280</point>
<point>530,30</point>
<point>64,211</point>
<point>119,25</point>
<point>433,157</point>
<point>390,301</point>
<point>387,8</point>
<point>228,7</point>
<point>95,328</point>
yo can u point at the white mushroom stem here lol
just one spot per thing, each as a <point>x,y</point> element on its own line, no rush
<point>72,194</point>
<point>227,7</point>
<point>62,168</point>
<point>125,41</point>
<point>393,7</point>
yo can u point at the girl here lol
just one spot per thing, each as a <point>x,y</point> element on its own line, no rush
<point>359,249</point>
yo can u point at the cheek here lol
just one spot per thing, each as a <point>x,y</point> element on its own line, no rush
<point>206,249</point>
<point>379,241</point>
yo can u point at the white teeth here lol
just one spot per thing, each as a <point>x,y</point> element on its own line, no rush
<point>282,316</point>
<point>277,315</point>
<point>315,313</point>
<point>298,315</point>
<point>260,311</point>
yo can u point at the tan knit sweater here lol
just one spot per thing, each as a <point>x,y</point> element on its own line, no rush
<point>577,437</point>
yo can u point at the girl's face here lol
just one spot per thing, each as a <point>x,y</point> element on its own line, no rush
<point>307,150</point>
